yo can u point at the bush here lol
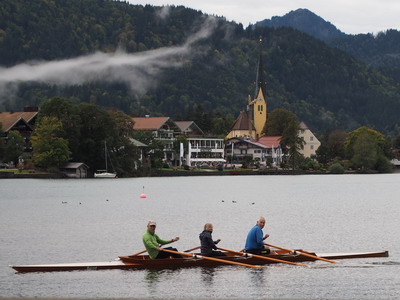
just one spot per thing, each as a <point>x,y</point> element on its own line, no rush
<point>383,165</point>
<point>186,167</point>
<point>336,168</point>
<point>309,164</point>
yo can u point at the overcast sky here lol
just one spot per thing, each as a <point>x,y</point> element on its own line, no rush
<point>349,16</point>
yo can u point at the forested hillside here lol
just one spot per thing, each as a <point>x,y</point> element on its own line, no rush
<point>323,86</point>
<point>380,51</point>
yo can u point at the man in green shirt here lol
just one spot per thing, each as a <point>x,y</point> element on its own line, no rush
<point>151,241</point>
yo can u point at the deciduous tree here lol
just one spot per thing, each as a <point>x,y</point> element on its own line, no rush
<point>14,147</point>
<point>49,149</point>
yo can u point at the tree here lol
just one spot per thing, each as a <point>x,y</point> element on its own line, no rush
<point>14,147</point>
<point>221,124</point>
<point>278,120</point>
<point>351,139</point>
<point>336,144</point>
<point>365,151</point>
<point>155,148</point>
<point>49,149</point>
<point>1,141</point>
<point>368,149</point>
<point>282,122</point>
<point>124,153</point>
<point>96,127</point>
<point>293,143</point>
<point>67,113</point>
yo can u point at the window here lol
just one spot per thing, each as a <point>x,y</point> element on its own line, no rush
<point>311,138</point>
<point>312,147</point>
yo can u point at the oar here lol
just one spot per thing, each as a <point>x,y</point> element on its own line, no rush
<point>190,250</point>
<point>304,254</point>
<point>138,253</point>
<point>263,257</point>
<point>212,258</point>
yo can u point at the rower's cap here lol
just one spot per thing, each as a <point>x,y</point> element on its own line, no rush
<point>152,223</point>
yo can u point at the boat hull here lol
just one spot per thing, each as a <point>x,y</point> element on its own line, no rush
<point>105,175</point>
<point>143,262</point>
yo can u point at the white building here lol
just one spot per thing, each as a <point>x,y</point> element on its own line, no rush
<point>204,150</point>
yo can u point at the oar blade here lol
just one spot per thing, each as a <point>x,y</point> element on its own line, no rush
<point>304,254</point>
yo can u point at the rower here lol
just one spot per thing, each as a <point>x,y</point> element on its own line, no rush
<point>255,239</point>
<point>151,241</point>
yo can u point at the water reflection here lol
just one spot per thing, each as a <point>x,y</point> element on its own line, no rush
<point>152,278</point>
<point>207,275</point>
<point>258,279</point>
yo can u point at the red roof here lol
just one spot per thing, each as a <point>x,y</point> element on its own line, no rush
<point>270,141</point>
<point>149,123</point>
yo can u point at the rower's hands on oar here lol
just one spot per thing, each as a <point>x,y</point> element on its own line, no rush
<point>175,239</point>
<point>266,236</point>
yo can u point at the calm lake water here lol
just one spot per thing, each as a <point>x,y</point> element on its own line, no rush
<point>106,218</point>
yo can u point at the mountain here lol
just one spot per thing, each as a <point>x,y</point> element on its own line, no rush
<point>208,64</point>
<point>306,21</point>
<point>380,51</point>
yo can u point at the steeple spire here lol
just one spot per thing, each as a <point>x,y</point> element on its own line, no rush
<point>260,81</point>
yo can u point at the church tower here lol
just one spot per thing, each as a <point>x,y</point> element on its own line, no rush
<point>251,122</point>
<point>259,103</point>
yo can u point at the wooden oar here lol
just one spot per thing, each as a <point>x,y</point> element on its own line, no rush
<point>138,253</point>
<point>212,258</point>
<point>190,250</point>
<point>304,254</point>
<point>263,257</point>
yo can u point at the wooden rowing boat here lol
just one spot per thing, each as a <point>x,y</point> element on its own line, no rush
<point>144,262</point>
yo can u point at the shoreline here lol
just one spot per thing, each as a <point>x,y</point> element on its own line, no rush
<point>174,173</point>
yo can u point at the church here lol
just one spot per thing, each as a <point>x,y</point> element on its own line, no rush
<point>246,137</point>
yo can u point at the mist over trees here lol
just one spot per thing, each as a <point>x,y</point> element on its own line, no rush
<point>325,87</point>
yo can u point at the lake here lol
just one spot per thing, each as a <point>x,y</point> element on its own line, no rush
<point>67,220</point>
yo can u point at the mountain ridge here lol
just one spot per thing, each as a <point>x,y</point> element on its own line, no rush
<point>381,51</point>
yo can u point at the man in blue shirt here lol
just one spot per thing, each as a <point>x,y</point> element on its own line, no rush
<point>255,239</point>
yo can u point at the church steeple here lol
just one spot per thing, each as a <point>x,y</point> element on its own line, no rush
<point>260,81</point>
<point>259,103</point>
<point>255,116</point>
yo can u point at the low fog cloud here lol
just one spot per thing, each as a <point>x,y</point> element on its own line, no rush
<point>138,70</point>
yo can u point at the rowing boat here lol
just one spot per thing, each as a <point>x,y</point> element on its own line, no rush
<point>144,262</point>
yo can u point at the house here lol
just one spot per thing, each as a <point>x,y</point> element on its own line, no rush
<point>75,170</point>
<point>311,143</point>
<point>262,150</point>
<point>23,122</point>
<point>189,128</point>
<point>163,129</point>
